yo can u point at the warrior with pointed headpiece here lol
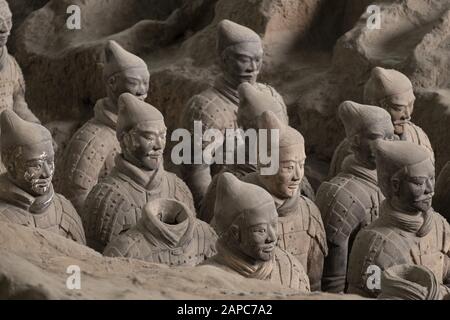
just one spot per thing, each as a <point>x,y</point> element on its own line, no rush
<point>115,204</point>
<point>300,227</point>
<point>91,152</point>
<point>246,222</point>
<point>351,200</point>
<point>26,191</point>
<point>408,231</point>
<point>252,104</point>
<point>240,54</point>
<point>392,91</point>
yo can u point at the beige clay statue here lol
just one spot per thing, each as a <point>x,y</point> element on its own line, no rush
<point>408,231</point>
<point>300,226</point>
<point>252,104</point>
<point>393,91</point>
<point>115,204</point>
<point>351,200</point>
<point>240,54</point>
<point>26,192</point>
<point>246,223</point>
<point>92,149</point>
<point>168,233</point>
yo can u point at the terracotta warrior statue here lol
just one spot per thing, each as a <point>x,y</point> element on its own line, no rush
<point>246,223</point>
<point>26,192</point>
<point>411,282</point>
<point>115,204</point>
<point>300,226</point>
<point>252,103</point>
<point>168,233</point>
<point>12,84</point>
<point>392,91</point>
<point>408,231</point>
<point>240,52</point>
<point>90,154</point>
<point>351,200</point>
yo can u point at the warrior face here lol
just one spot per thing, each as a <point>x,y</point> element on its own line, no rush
<point>134,81</point>
<point>413,187</point>
<point>5,25</point>
<point>242,63</point>
<point>400,113</point>
<point>256,234</point>
<point>364,144</point>
<point>286,182</point>
<point>145,143</point>
<point>32,168</point>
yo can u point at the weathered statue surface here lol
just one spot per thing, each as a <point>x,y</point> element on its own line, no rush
<point>246,223</point>
<point>252,104</point>
<point>115,204</point>
<point>300,226</point>
<point>392,91</point>
<point>91,152</point>
<point>12,83</point>
<point>351,200</point>
<point>167,233</point>
<point>26,192</point>
<point>411,282</point>
<point>408,231</point>
<point>240,54</point>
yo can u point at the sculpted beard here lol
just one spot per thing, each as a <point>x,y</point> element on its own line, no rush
<point>38,185</point>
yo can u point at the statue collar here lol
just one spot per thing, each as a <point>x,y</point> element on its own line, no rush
<point>224,88</point>
<point>103,115</point>
<point>420,225</point>
<point>353,166</point>
<point>12,194</point>
<point>3,57</point>
<point>149,180</point>
<point>239,263</point>
<point>168,236</point>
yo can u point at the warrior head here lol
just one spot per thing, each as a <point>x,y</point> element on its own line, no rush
<point>240,52</point>
<point>253,103</point>
<point>405,175</point>
<point>364,126</point>
<point>141,132</point>
<point>5,22</point>
<point>291,149</point>
<point>392,91</point>
<point>124,72</point>
<point>245,219</point>
<point>27,152</point>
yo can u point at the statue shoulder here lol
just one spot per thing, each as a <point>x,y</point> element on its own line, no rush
<point>70,220</point>
<point>105,209</point>
<point>12,214</point>
<point>342,203</point>
<point>374,249</point>
<point>125,245</point>
<point>87,152</point>
<point>180,191</point>
<point>212,109</point>
<point>316,229</point>
<point>206,237</point>
<point>290,269</point>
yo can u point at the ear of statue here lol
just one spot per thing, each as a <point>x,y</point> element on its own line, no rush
<point>234,232</point>
<point>355,142</point>
<point>112,83</point>
<point>395,185</point>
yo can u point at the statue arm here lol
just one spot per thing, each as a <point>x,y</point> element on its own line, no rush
<point>20,106</point>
